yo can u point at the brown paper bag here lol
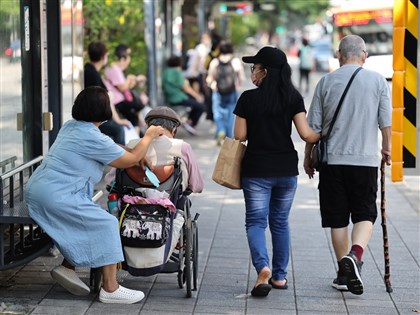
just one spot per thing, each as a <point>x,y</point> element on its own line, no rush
<point>227,171</point>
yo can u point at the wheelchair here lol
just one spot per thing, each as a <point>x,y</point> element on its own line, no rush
<point>180,252</point>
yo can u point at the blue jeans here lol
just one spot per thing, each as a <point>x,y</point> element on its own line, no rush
<point>272,198</point>
<point>223,106</point>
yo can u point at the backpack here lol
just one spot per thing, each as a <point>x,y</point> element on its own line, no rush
<point>225,78</point>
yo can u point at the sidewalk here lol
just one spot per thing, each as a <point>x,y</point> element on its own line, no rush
<point>226,275</point>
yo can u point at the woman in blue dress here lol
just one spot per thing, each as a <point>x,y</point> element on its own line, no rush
<point>59,196</point>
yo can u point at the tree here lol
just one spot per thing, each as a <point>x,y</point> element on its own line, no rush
<point>9,23</point>
<point>117,22</point>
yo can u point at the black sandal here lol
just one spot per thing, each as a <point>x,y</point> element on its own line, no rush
<point>275,286</point>
<point>261,290</point>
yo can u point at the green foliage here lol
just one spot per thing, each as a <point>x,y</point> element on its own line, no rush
<point>117,22</point>
<point>241,27</point>
<point>291,13</point>
<point>9,21</point>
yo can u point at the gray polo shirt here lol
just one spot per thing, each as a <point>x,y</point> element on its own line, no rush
<point>366,107</point>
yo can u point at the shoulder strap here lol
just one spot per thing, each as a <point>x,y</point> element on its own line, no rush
<point>341,101</point>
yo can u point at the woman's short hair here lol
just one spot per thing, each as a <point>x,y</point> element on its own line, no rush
<point>92,105</point>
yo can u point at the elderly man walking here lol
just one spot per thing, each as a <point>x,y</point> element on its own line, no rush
<point>348,183</point>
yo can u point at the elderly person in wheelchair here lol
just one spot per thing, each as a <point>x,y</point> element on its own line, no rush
<point>163,149</point>
<point>177,173</point>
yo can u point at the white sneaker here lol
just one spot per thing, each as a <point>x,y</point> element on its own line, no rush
<point>121,296</point>
<point>69,280</point>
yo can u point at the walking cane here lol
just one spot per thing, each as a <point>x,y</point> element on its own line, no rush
<point>384,230</point>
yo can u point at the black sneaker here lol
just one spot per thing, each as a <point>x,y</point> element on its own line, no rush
<point>352,269</point>
<point>340,283</point>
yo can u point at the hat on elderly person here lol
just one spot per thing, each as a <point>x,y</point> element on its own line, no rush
<point>270,57</point>
<point>163,112</point>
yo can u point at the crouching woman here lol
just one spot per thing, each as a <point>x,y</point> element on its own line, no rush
<point>59,196</point>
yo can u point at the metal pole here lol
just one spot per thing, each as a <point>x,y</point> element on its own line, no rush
<point>55,93</point>
<point>32,79</point>
<point>150,38</point>
<point>201,17</point>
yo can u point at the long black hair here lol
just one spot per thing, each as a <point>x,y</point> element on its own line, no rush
<point>276,90</point>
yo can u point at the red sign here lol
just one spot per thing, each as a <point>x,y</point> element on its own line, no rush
<point>362,17</point>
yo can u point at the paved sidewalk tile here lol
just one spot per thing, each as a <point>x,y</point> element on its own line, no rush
<point>226,275</point>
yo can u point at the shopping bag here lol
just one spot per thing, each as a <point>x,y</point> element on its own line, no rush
<point>227,171</point>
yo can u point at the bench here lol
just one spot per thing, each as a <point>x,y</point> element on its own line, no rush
<point>21,239</point>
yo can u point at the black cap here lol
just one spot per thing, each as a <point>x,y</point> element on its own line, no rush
<point>270,57</point>
<point>163,112</point>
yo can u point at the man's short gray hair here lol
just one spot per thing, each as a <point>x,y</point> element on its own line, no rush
<point>352,47</point>
<point>164,123</point>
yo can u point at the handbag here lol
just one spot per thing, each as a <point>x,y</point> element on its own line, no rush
<point>145,225</point>
<point>149,261</point>
<point>319,154</point>
<point>227,171</point>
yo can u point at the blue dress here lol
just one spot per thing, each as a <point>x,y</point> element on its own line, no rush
<point>59,196</point>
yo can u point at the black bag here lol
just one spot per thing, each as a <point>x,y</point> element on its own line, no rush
<point>137,103</point>
<point>319,154</point>
<point>145,225</point>
<point>225,78</point>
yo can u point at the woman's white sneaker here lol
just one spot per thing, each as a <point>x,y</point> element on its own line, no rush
<point>121,296</point>
<point>69,280</point>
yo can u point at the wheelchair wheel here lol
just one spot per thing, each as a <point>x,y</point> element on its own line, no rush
<point>188,252</point>
<point>195,253</point>
<point>181,259</point>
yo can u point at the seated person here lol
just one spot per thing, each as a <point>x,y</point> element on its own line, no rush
<point>59,197</point>
<point>163,149</point>
<point>98,57</point>
<point>178,91</point>
<point>122,87</point>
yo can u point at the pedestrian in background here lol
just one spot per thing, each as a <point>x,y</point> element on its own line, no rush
<point>269,172</point>
<point>225,77</point>
<point>348,184</point>
<point>98,58</point>
<point>178,92</point>
<point>306,64</point>
<point>214,53</point>
<point>195,71</point>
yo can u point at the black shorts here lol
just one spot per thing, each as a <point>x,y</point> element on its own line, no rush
<point>347,191</point>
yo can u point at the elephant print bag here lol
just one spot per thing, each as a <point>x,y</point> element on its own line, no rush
<point>145,225</point>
